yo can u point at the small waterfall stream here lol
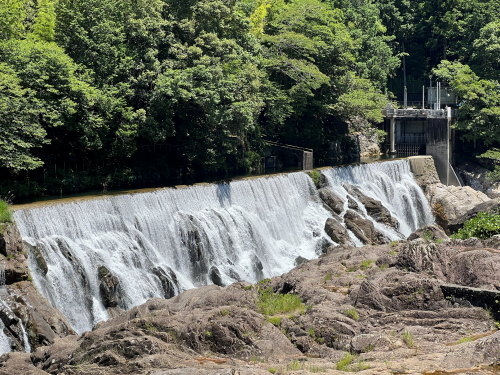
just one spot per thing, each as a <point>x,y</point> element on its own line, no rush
<point>160,243</point>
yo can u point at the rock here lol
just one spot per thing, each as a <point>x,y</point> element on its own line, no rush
<point>363,229</point>
<point>429,233</point>
<point>43,323</point>
<point>38,257</point>
<point>332,200</point>
<point>373,207</point>
<point>215,277</point>
<point>476,177</point>
<point>109,287</point>
<point>364,138</point>
<point>337,232</point>
<point>299,260</point>
<point>13,258</point>
<point>484,298</point>
<point>451,202</point>
<point>52,358</point>
<point>490,206</point>
<point>352,204</point>
<point>168,280</point>
<point>323,181</point>
<point>18,364</point>
<point>10,240</point>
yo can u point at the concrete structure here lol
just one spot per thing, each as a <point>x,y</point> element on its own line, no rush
<point>277,154</point>
<point>423,132</point>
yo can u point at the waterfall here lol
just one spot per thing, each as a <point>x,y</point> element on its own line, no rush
<point>393,184</point>
<point>159,243</point>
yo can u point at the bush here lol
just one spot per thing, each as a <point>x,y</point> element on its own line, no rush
<point>483,226</point>
<point>5,213</point>
<point>315,177</point>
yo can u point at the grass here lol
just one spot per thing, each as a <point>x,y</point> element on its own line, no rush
<point>150,327</point>
<point>295,366</point>
<point>428,235</point>
<point>270,303</point>
<point>276,321</point>
<point>383,267</point>
<point>394,243</point>
<point>366,264</point>
<point>5,213</point>
<point>349,364</point>
<point>328,276</point>
<point>352,313</point>
<point>464,339</point>
<point>439,241</point>
<point>407,338</point>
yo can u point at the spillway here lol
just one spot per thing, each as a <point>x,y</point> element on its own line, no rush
<point>160,243</point>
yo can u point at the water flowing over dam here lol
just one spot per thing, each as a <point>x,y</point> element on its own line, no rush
<point>159,243</point>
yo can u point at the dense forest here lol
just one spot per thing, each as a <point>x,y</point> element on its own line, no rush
<point>89,87</point>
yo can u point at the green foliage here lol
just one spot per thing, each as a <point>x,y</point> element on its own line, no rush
<point>328,276</point>
<point>5,213</point>
<point>275,320</point>
<point>12,15</point>
<point>352,313</point>
<point>464,339</point>
<point>315,175</point>
<point>349,364</point>
<point>365,264</point>
<point>483,226</point>
<point>407,338</point>
<point>45,21</point>
<point>270,303</point>
<point>428,235</point>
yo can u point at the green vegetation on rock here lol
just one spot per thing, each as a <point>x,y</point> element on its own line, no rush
<point>483,226</point>
<point>270,303</point>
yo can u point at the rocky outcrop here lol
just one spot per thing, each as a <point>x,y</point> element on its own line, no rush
<point>365,144</point>
<point>363,229</point>
<point>373,207</point>
<point>381,302</point>
<point>450,202</point>
<point>337,232</point>
<point>13,258</point>
<point>491,206</point>
<point>476,177</point>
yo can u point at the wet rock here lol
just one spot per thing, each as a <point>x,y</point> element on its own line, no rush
<point>322,246</point>
<point>429,233</point>
<point>13,258</point>
<point>363,229</point>
<point>337,232</point>
<point>38,257</point>
<point>491,206</point>
<point>332,200</point>
<point>373,207</point>
<point>352,204</point>
<point>323,181</point>
<point>10,240</point>
<point>109,286</point>
<point>168,280</point>
<point>299,260</point>
<point>476,177</point>
<point>215,276</point>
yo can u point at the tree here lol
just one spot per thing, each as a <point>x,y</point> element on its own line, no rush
<point>20,130</point>
<point>479,117</point>
<point>486,56</point>
<point>44,27</point>
<point>11,19</point>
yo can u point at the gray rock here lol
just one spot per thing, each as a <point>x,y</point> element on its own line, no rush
<point>337,232</point>
<point>215,276</point>
<point>490,206</point>
<point>430,233</point>
<point>109,287</point>
<point>332,200</point>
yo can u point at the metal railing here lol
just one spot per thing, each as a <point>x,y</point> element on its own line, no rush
<point>416,113</point>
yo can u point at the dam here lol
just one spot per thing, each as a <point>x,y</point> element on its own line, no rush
<point>162,242</point>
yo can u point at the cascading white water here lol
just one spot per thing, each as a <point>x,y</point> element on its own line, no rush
<point>249,230</point>
<point>393,184</point>
<point>245,230</point>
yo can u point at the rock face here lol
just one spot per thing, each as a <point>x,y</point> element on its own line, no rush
<point>404,306</point>
<point>363,229</point>
<point>475,176</point>
<point>450,202</point>
<point>365,145</point>
<point>25,308</point>
<point>373,207</point>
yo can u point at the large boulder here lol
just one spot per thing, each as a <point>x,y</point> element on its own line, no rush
<point>373,207</point>
<point>451,202</point>
<point>429,233</point>
<point>13,258</point>
<point>337,232</point>
<point>491,206</point>
<point>363,229</point>
<point>333,201</point>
